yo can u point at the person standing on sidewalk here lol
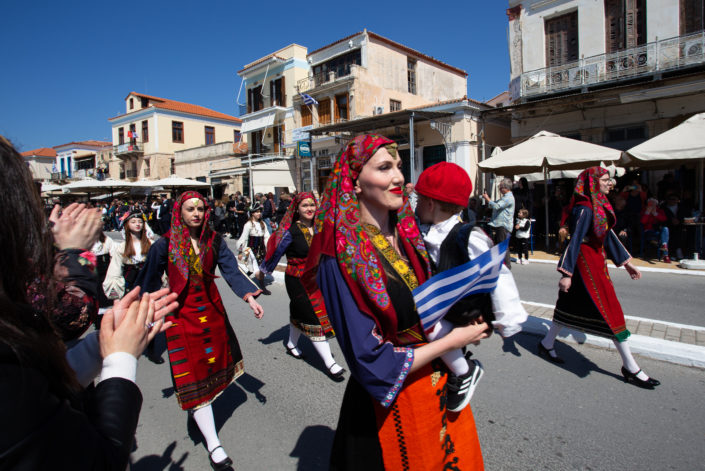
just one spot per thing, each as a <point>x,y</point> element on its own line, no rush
<point>586,297</point>
<point>502,215</point>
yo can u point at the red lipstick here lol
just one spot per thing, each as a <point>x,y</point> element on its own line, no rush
<point>397,190</point>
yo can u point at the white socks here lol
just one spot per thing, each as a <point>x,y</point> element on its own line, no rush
<point>454,359</point>
<point>294,334</point>
<point>628,360</point>
<point>323,349</point>
<point>206,423</point>
<point>550,338</point>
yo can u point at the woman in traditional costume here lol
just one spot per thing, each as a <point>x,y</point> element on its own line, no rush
<point>203,350</point>
<point>307,315</point>
<point>369,256</point>
<point>586,297</point>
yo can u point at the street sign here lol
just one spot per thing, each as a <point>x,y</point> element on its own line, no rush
<point>304,148</point>
<point>301,134</point>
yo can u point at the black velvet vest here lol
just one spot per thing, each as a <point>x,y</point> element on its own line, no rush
<point>453,253</point>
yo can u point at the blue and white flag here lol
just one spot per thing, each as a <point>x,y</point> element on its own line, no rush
<point>437,295</point>
<point>308,99</point>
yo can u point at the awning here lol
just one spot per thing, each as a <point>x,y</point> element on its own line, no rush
<point>395,118</point>
<point>258,122</point>
<point>227,172</point>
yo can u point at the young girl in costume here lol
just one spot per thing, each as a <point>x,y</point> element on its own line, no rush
<point>366,257</point>
<point>586,297</point>
<point>253,240</point>
<point>523,233</point>
<point>307,314</point>
<point>204,353</point>
<point>127,258</point>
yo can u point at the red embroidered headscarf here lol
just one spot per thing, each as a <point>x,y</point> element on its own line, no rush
<point>180,241</point>
<point>291,216</point>
<point>339,233</point>
<point>587,193</point>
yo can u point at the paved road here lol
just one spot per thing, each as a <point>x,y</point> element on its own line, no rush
<point>530,414</point>
<point>662,296</point>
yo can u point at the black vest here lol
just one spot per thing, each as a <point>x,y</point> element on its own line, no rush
<point>453,253</point>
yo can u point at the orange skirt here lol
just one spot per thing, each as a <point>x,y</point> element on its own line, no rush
<point>416,431</point>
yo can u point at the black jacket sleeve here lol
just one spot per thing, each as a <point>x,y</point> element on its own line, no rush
<point>44,431</point>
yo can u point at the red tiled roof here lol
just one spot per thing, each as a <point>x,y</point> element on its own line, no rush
<point>259,61</point>
<point>86,143</point>
<point>406,49</point>
<point>174,105</point>
<point>41,152</point>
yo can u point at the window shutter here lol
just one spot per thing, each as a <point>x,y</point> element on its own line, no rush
<point>282,92</point>
<point>249,100</point>
<point>691,16</point>
<point>614,25</point>
<point>562,39</point>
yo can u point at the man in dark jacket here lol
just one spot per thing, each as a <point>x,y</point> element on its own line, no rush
<point>165,214</point>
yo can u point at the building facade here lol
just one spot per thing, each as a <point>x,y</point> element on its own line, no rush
<point>612,72</point>
<point>41,163</point>
<point>266,107</point>
<point>153,130</point>
<point>78,160</point>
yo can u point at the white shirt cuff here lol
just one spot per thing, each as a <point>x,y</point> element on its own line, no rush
<point>119,365</point>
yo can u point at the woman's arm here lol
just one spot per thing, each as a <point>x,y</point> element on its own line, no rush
<point>114,283</point>
<point>582,217</point>
<point>238,281</point>
<point>242,241</point>
<point>149,278</point>
<point>268,265</point>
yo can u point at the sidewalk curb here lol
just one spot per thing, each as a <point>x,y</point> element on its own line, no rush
<point>672,271</point>
<point>657,349</point>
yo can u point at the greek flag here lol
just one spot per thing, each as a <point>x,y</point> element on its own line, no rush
<point>308,99</point>
<point>435,297</point>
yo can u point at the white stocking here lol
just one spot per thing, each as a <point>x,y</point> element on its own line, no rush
<point>454,359</point>
<point>206,424</point>
<point>628,360</point>
<point>550,337</point>
<point>294,334</point>
<point>323,349</point>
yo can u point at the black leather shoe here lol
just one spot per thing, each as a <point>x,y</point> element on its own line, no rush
<point>294,353</point>
<point>630,377</point>
<point>336,376</point>
<point>546,353</point>
<point>225,465</point>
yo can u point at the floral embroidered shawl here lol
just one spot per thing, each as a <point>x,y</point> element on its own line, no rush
<point>587,193</point>
<point>292,214</point>
<point>339,233</point>
<point>180,242</point>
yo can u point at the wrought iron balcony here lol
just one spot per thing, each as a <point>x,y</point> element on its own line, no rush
<point>132,148</point>
<point>651,58</point>
<point>315,81</point>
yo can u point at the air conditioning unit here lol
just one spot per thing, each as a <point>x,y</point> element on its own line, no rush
<point>378,110</point>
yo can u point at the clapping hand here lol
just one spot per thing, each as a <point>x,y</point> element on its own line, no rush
<point>76,227</point>
<point>164,303</point>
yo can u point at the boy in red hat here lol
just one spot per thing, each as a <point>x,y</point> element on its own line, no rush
<point>443,192</point>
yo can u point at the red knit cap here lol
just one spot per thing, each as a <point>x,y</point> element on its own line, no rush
<point>447,182</point>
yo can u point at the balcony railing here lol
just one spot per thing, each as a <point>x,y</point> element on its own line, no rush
<point>56,176</point>
<point>132,148</point>
<point>131,173</point>
<point>650,58</point>
<point>315,81</point>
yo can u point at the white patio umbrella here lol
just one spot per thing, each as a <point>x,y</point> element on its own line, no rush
<point>173,182</point>
<point>555,174</point>
<point>90,185</point>
<point>49,187</point>
<point>681,144</point>
<point>546,151</point>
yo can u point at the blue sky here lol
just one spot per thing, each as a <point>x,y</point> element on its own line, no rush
<point>67,66</point>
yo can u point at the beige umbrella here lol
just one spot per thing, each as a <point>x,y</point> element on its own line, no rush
<point>546,151</point>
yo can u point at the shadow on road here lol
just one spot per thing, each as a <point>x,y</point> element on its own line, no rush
<point>313,448</point>
<point>278,335</point>
<point>164,462</point>
<point>575,362</point>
